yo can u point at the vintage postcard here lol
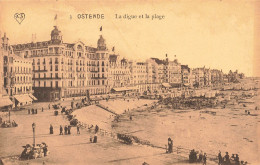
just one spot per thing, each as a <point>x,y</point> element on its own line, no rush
<point>129,82</point>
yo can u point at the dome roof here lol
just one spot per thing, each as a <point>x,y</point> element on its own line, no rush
<point>101,45</point>
<point>101,40</point>
<point>55,31</point>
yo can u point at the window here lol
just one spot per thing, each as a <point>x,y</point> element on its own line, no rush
<point>50,67</point>
<point>56,75</point>
<point>44,83</point>
<point>56,68</point>
<point>56,84</point>
<point>56,60</point>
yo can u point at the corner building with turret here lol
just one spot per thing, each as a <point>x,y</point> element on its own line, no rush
<point>62,70</point>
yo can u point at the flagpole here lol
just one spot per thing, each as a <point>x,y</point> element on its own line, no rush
<point>56,20</point>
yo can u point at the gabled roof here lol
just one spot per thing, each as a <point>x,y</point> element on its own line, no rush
<point>158,61</point>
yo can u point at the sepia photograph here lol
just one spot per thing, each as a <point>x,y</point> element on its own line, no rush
<point>124,82</point>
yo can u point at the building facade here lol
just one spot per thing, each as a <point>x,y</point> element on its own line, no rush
<point>5,102</point>
<point>17,76</point>
<point>62,70</point>
<point>119,71</point>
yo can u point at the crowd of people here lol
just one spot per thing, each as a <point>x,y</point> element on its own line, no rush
<point>222,160</point>
<point>33,152</point>
<point>6,124</point>
<point>193,158</point>
<point>227,160</point>
<point>67,129</point>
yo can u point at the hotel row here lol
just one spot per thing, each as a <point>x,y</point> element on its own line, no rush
<point>53,70</point>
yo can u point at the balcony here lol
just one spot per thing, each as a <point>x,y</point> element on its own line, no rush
<point>44,70</point>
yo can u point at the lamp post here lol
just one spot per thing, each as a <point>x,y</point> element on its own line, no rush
<point>9,113</point>
<point>33,127</point>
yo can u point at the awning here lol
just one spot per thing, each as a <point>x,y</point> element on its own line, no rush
<point>166,85</point>
<point>23,98</point>
<point>121,89</point>
<point>34,98</point>
<point>132,88</point>
<point>5,102</point>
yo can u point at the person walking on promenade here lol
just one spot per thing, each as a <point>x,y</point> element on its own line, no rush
<point>96,129</point>
<point>51,129</point>
<point>29,111</point>
<point>78,131</point>
<point>36,111</point>
<point>61,130</point>
<point>42,109</point>
<point>170,144</point>
<point>204,159</point>
<point>95,138</point>
<point>32,111</point>
<point>69,127</point>
<point>49,106</point>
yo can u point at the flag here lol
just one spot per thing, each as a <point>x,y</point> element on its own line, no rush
<point>100,28</point>
<point>113,49</point>
<point>55,17</point>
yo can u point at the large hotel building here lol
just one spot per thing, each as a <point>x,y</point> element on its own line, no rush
<point>63,70</point>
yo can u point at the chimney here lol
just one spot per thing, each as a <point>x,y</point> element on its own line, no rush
<point>35,39</point>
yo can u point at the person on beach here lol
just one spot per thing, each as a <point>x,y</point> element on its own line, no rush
<point>61,130</point>
<point>227,160</point>
<point>78,131</point>
<point>219,158</point>
<point>204,159</point>
<point>66,129</point>
<point>200,156</point>
<point>237,160</point>
<point>69,128</point>
<point>49,106</point>
<point>42,109</point>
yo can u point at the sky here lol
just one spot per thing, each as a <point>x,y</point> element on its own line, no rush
<point>212,33</point>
